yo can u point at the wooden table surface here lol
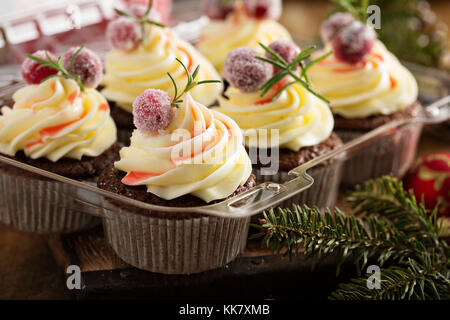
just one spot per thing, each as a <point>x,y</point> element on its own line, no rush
<point>27,267</point>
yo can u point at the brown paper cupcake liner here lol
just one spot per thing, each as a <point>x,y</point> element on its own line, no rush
<point>322,194</point>
<point>173,244</point>
<point>393,153</point>
<point>43,206</point>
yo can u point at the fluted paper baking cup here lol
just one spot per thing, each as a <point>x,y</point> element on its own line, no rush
<point>394,153</point>
<point>322,194</point>
<point>173,244</point>
<point>41,205</point>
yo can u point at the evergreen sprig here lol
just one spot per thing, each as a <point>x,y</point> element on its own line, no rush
<point>388,227</point>
<point>57,65</point>
<point>289,69</point>
<point>143,21</point>
<point>191,83</point>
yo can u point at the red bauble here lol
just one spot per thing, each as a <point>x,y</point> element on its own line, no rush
<point>430,179</point>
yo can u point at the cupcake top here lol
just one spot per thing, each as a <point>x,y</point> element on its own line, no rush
<point>181,147</point>
<point>241,27</point>
<point>140,61</point>
<point>58,117</point>
<point>287,115</point>
<point>362,78</point>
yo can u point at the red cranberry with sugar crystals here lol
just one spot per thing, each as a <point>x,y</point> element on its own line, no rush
<point>217,9</point>
<point>244,72</point>
<point>87,65</point>
<point>333,24</point>
<point>286,49</point>
<point>124,34</point>
<point>263,9</point>
<point>29,68</point>
<point>152,111</point>
<point>353,43</point>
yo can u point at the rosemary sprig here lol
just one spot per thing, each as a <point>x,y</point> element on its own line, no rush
<point>389,227</point>
<point>143,20</point>
<point>57,65</point>
<point>289,69</point>
<point>357,8</point>
<point>191,83</point>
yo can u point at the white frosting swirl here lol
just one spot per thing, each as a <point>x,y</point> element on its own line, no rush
<point>55,120</point>
<point>378,85</point>
<point>201,153</point>
<point>129,73</point>
<point>300,118</point>
<point>220,37</point>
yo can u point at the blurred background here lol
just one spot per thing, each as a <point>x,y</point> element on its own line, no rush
<point>414,30</point>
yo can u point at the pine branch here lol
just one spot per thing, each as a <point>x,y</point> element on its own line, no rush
<point>425,278</point>
<point>388,226</point>
<point>319,236</point>
<point>386,198</point>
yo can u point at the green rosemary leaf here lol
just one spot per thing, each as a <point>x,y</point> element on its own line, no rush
<point>283,89</point>
<point>74,57</point>
<point>149,7</point>
<point>273,62</point>
<point>174,84</point>
<point>196,71</point>
<point>316,61</point>
<point>273,81</point>
<point>124,13</point>
<point>273,54</point>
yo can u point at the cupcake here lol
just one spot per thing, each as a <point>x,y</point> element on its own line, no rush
<point>182,154</point>
<point>58,123</point>
<point>284,123</point>
<point>142,54</point>
<point>367,87</point>
<point>237,24</point>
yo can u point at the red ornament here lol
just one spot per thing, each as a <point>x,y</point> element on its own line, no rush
<point>430,178</point>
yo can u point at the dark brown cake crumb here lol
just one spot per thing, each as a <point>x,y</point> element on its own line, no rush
<point>289,159</point>
<point>372,122</point>
<point>122,118</point>
<point>87,167</point>
<point>111,180</point>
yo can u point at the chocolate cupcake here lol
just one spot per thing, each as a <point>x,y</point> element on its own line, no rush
<point>60,125</point>
<point>139,61</point>
<point>367,88</point>
<point>182,154</point>
<point>284,127</point>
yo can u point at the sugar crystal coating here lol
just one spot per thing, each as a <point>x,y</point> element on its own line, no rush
<point>354,42</point>
<point>124,34</point>
<point>29,68</point>
<point>87,65</point>
<point>152,111</point>
<point>263,9</point>
<point>331,26</point>
<point>286,49</point>
<point>244,72</point>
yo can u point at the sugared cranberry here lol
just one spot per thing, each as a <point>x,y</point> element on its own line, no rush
<point>152,111</point>
<point>124,34</point>
<point>29,66</point>
<point>354,42</point>
<point>286,49</point>
<point>217,9</point>
<point>331,26</point>
<point>87,65</point>
<point>244,72</point>
<point>263,9</point>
